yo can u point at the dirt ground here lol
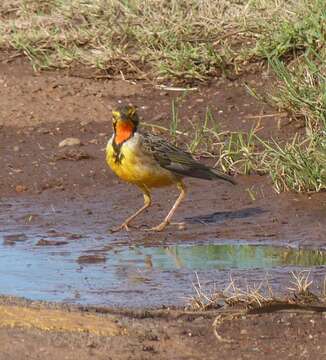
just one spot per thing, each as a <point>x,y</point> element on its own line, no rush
<point>164,334</point>
<point>38,111</point>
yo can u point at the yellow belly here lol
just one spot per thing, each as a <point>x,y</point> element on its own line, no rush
<point>138,168</point>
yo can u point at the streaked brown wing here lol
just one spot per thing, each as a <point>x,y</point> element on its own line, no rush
<point>174,159</point>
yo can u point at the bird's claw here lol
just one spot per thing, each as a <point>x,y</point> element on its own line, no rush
<point>159,227</point>
<point>123,226</point>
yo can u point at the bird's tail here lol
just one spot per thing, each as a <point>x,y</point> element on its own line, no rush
<point>218,175</point>
<point>202,171</point>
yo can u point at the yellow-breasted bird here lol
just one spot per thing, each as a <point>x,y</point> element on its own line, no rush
<point>149,161</point>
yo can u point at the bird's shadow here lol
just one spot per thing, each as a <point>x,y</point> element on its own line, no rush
<point>219,217</point>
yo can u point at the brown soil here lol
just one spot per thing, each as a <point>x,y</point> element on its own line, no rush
<point>38,111</point>
<point>164,334</point>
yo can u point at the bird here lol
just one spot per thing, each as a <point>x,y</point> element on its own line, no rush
<point>149,161</point>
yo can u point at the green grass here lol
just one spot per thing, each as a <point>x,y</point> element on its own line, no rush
<point>302,90</point>
<point>179,39</point>
<point>298,166</point>
<point>174,120</point>
<point>295,49</point>
<point>241,154</point>
<point>300,30</point>
<point>236,151</point>
<point>205,135</point>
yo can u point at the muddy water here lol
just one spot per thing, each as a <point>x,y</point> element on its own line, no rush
<point>53,251</point>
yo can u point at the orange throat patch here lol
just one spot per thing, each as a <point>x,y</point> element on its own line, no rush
<point>123,131</point>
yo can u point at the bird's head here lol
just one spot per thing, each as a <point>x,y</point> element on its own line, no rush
<point>125,122</point>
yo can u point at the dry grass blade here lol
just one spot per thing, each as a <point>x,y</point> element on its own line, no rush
<point>203,299</point>
<point>162,128</point>
<point>323,295</point>
<point>251,296</point>
<point>218,322</point>
<point>256,299</point>
<point>301,282</point>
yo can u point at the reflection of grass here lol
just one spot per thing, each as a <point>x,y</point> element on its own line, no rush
<point>303,257</point>
<point>248,255</point>
<point>241,256</point>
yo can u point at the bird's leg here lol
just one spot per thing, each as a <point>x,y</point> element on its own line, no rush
<point>182,187</point>
<point>147,203</point>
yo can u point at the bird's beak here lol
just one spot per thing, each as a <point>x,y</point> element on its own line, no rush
<point>115,114</point>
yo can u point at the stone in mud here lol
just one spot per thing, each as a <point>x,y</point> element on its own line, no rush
<point>45,242</point>
<point>91,259</point>
<point>71,141</point>
<point>20,188</point>
<point>72,155</point>
<point>12,239</point>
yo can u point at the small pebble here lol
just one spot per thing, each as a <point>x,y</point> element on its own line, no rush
<point>70,142</point>
<point>20,188</point>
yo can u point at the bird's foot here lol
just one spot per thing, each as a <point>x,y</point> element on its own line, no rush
<point>159,227</point>
<point>123,226</point>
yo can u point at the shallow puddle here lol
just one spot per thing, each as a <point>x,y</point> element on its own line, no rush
<point>224,256</point>
<point>57,253</point>
<point>139,275</point>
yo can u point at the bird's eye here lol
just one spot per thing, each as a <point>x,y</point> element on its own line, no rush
<point>131,111</point>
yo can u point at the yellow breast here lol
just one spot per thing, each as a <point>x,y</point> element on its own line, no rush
<point>136,166</point>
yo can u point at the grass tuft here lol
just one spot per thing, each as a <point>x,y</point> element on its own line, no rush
<point>297,31</point>
<point>297,166</point>
<point>295,47</point>
<point>256,296</point>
